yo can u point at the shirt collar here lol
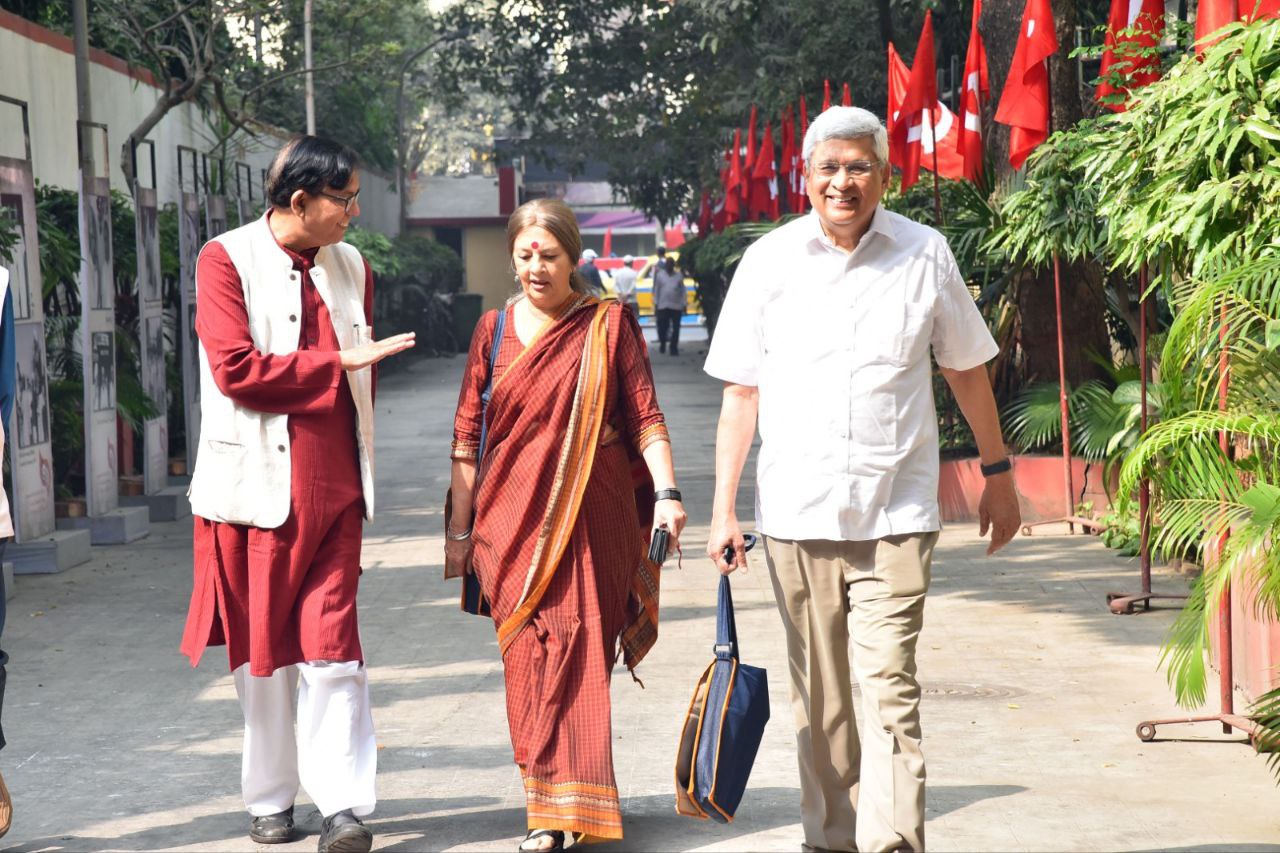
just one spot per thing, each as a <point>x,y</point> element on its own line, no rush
<point>881,223</point>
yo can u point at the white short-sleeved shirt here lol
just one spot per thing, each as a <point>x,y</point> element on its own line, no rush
<point>838,345</point>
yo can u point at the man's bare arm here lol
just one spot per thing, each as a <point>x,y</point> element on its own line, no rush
<point>736,430</point>
<point>998,507</point>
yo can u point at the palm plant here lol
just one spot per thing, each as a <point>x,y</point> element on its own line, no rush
<point>1214,468</point>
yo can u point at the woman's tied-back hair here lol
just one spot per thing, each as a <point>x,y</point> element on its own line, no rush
<point>312,164</point>
<point>555,216</point>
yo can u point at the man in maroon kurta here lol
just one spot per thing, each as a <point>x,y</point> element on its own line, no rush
<point>277,562</point>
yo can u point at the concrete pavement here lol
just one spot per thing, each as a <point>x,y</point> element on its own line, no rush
<point>1032,690</point>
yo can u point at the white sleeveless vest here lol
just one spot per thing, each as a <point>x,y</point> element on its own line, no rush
<point>243,470</point>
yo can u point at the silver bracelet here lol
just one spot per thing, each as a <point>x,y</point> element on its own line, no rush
<point>457,537</point>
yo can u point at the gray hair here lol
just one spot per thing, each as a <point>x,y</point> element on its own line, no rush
<point>847,123</point>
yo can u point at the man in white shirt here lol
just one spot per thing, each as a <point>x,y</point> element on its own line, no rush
<point>624,284</point>
<point>825,338</point>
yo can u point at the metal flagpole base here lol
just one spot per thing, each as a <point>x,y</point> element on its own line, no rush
<point>1087,525</point>
<point>1125,603</point>
<point>1146,730</point>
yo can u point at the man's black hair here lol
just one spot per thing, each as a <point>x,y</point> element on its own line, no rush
<point>662,251</point>
<point>312,164</point>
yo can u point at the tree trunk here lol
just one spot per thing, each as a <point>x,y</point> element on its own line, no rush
<point>884,15</point>
<point>1083,302</point>
<point>1084,327</point>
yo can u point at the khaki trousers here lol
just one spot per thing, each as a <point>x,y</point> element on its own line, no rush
<point>865,793</point>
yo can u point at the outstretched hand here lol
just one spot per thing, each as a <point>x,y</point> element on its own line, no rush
<point>359,357</point>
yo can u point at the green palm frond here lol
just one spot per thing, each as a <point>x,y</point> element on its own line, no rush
<point>1033,418</point>
<point>1266,714</point>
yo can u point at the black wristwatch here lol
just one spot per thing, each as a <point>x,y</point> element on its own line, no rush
<point>996,467</point>
<point>667,495</point>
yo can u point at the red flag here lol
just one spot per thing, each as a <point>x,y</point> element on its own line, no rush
<point>673,236</point>
<point>764,189</point>
<point>976,91</point>
<point>846,97</point>
<point>1024,104</point>
<point>826,95</point>
<point>945,128</point>
<point>608,242</point>
<point>1254,10</point>
<point>704,214</point>
<point>791,172</point>
<point>733,185</point>
<point>1137,25</point>
<point>921,95</point>
<point>749,164</point>
<point>804,123</point>
<point>1211,16</point>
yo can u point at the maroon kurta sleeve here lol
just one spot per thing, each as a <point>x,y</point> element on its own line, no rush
<point>467,421</point>
<point>643,421</point>
<point>302,382</point>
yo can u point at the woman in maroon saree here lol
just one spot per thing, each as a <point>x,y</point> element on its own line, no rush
<point>555,518</point>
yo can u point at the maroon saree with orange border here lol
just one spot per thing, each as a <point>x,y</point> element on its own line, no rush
<point>560,535</point>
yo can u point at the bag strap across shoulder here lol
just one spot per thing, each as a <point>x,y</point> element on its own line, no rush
<point>726,647</point>
<point>498,328</point>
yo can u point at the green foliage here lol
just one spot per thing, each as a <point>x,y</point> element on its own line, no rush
<point>1055,211</point>
<point>415,278</point>
<point>1122,532</point>
<point>1193,167</point>
<point>1222,507</point>
<point>653,89</point>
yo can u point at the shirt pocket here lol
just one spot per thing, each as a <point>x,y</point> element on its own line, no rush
<point>897,335</point>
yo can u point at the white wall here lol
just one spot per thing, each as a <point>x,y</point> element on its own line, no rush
<point>43,75</point>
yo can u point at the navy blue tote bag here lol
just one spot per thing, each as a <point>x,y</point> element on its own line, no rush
<point>723,726</point>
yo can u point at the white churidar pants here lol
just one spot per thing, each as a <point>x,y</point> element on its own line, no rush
<point>333,755</point>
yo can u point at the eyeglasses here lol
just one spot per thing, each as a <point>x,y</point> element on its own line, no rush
<point>854,168</point>
<point>346,200</point>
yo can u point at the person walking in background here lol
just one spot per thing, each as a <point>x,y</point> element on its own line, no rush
<point>624,284</point>
<point>591,273</point>
<point>283,482</point>
<point>669,301</point>
<point>554,519</point>
<point>824,339</point>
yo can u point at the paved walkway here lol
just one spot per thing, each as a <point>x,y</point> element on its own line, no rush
<point>1032,690</point>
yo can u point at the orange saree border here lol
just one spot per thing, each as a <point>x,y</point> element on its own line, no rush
<point>577,455</point>
<point>591,812</point>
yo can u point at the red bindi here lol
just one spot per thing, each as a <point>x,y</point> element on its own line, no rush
<point>534,244</point>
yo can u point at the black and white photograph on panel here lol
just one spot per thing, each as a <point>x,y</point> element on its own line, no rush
<point>31,409</point>
<point>149,262</point>
<point>154,383</point>
<point>19,279</point>
<point>194,354</point>
<point>189,245</point>
<point>98,217</point>
<point>104,371</point>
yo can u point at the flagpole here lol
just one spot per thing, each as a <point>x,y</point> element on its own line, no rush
<point>1124,603</point>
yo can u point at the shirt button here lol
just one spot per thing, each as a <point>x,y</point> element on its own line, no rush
<point>280,447</point>
<point>293,318</point>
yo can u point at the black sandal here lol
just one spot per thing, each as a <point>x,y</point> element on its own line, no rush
<point>556,835</point>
